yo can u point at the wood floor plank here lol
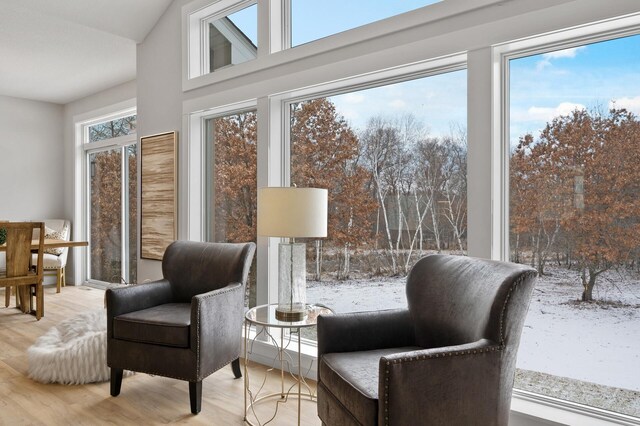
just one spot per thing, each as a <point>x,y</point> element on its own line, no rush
<point>144,399</point>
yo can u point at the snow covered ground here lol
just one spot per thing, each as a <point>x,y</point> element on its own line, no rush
<point>594,342</point>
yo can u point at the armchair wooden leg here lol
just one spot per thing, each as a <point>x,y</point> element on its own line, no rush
<point>7,296</point>
<point>58,280</point>
<point>235,366</point>
<point>195,396</point>
<point>116,381</point>
<point>63,276</point>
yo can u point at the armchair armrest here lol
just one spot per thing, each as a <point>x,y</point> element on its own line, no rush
<point>136,297</point>
<point>363,331</point>
<point>442,385</point>
<point>216,327</point>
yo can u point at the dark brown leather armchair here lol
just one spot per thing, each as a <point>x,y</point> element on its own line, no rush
<point>449,359</point>
<point>187,325</point>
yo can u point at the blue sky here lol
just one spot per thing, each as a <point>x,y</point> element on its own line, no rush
<point>312,20</point>
<point>591,76</point>
<point>439,102</point>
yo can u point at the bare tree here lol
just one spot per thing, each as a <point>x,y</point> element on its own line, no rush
<point>379,143</point>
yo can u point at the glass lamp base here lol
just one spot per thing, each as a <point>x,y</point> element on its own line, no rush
<point>292,300</point>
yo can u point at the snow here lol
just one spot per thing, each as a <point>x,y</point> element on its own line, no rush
<point>594,342</point>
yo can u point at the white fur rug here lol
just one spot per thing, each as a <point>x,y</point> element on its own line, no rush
<point>72,352</point>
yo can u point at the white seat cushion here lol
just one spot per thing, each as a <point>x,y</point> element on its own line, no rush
<point>49,261</point>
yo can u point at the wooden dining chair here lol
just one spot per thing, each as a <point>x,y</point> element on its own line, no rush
<point>19,272</point>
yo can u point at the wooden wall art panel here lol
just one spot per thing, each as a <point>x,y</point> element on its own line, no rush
<point>158,194</point>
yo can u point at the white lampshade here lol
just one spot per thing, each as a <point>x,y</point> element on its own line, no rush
<point>292,212</point>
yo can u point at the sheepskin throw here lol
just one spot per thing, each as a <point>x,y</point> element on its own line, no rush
<point>72,352</point>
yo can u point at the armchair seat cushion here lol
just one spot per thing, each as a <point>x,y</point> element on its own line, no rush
<point>49,261</point>
<point>352,378</point>
<point>166,325</point>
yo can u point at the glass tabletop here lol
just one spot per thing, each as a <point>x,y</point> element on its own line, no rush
<point>266,315</point>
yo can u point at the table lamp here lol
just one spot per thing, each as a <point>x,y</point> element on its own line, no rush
<point>290,212</point>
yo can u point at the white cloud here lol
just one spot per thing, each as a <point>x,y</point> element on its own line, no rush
<point>558,54</point>
<point>631,104</point>
<point>397,104</point>
<point>547,114</point>
<point>354,98</point>
<point>564,53</point>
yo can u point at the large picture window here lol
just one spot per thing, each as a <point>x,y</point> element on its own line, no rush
<point>575,216</point>
<point>232,183</point>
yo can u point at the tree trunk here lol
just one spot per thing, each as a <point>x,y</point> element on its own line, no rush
<point>434,222</point>
<point>346,268</point>
<point>318,274</point>
<point>588,285</point>
<point>394,264</point>
<point>399,224</point>
<point>420,217</point>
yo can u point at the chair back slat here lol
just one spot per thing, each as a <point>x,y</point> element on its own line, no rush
<point>18,251</point>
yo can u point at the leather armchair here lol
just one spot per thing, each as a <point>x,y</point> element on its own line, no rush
<point>449,359</point>
<point>187,325</point>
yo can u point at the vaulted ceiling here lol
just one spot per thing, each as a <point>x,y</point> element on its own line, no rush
<point>62,50</point>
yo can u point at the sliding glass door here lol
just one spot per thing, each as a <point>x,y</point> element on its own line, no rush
<point>112,208</point>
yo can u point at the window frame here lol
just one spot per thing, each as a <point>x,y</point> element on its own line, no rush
<point>197,37</point>
<point>558,40</point>
<point>527,402</point>
<point>208,226</point>
<point>82,216</point>
<point>273,35</point>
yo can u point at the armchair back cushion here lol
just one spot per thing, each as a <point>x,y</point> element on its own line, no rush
<point>188,266</point>
<point>454,300</point>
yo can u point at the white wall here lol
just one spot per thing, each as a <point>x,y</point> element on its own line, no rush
<point>32,160</point>
<point>159,69</point>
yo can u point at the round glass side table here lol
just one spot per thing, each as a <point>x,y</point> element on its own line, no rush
<point>263,317</point>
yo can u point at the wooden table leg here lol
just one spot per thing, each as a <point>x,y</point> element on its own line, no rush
<point>24,299</point>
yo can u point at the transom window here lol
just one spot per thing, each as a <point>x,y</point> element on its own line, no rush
<point>312,20</point>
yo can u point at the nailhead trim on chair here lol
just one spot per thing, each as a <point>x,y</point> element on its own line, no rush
<point>520,279</point>
<point>216,368</point>
<point>495,348</point>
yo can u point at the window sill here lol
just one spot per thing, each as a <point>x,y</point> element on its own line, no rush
<point>541,409</point>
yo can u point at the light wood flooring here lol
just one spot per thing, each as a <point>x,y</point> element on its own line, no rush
<point>144,399</point>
